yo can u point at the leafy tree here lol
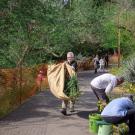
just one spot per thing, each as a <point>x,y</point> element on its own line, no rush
<point>46,29</point>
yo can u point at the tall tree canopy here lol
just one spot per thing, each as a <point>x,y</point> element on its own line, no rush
<point>35,31</point>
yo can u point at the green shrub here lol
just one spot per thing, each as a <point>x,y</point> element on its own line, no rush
<point>129,87</point>
<point>129,69</point>
<point>116,71</point>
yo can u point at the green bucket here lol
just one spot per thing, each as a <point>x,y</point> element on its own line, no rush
<point>105,128</point>
<point>93,126</point>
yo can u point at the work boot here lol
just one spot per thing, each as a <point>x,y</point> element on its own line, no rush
<point>72,106</point>
<point>72,110</point>
<point>64,112</point>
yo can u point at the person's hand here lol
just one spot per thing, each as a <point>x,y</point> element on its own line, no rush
<point>73,67</point>
<point>65,62</point>
<point>104,103</point>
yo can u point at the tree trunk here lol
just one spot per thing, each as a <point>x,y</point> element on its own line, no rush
<point>119,34</point>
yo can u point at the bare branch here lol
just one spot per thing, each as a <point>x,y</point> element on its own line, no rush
<point>26,50</point>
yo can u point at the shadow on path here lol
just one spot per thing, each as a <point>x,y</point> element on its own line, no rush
<point>85,114</point>
<point>37,107</point>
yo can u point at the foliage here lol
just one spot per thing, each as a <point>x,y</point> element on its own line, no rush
<point>116,71</point>
<point>14,91</point>
<point>121,129</point>
<point>45,30</point>
<point>111,27</point>
<point>129,73</point>
<point>97,116</point>
<point>71,88</point>
<point>129,69</point>
<point>33,25</point>
<point>129,87</point>
<point>101,105</point>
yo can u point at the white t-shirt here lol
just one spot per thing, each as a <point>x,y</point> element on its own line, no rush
<point>106,81</point>
<point>101,61</point>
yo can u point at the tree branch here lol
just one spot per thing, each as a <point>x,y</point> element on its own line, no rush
<point>49,50</point>
<point>26,50</point>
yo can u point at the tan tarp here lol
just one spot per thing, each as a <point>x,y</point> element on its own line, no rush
<point>56,79</point>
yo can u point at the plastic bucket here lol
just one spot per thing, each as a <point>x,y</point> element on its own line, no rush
<point>105,130</point>
<point>93,126</point>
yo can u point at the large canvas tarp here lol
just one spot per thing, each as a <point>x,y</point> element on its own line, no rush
<point>56,79</point>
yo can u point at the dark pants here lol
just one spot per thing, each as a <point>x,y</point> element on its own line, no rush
<point>130,118</point>
<point>100,94</point>
<point>95,70</point>
<point>106,63</point>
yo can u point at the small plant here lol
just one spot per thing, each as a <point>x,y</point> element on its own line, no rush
<point>97,116</point>
<point>101,105</point>
<point>121,129</point>
<point>71,88</point>
<point>115,70</point>
<point>129,87</point>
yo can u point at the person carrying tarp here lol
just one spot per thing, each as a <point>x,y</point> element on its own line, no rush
<point>62,80</point>
<point>70,61</point>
